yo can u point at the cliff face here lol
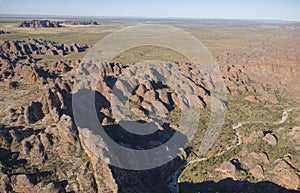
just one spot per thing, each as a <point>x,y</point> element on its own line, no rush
<point>79,22</point>
<point>41,146</point>
<point>39,24</point>
<point>52,24</point>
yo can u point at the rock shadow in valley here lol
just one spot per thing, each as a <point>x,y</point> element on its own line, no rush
<point>233,186</point>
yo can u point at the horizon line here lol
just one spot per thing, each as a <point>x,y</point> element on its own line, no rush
<point>142,17</point>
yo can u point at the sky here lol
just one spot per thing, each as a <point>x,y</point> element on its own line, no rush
<point>229,9</point>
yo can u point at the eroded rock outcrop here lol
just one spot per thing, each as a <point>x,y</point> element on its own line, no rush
<point>37,46</point>
<point>285,176</point>
<point>271,139</point>
<point>272,63</point>
<point>79,22</point>
<point>40,23</point>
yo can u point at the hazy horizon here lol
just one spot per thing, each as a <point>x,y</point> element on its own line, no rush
<point>191,9</point>
<point>78,17</point>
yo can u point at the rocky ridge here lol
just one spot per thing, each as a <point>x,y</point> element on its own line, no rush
<point>79,22</point>
<point>40,24</point>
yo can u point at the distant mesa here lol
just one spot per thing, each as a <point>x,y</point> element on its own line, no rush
<point>79,22</point>
<point>54,24</point>
<point>40,24</point>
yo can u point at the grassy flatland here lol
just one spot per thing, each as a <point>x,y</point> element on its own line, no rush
<point>69,34</point>
<point>240,110</point>
<point>216,37</point>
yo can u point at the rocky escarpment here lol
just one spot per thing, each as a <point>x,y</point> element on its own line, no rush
<point>51,103</point>
<point>150,98</point>
<point>19,63</point>
<point>41,136</point>
<point>39,140</point>
<point>40,24</point>
<point>79,22</point>
<point>53,24</point>
<point>33,159</point>
<point>12,50</point>
<point>51,137</point>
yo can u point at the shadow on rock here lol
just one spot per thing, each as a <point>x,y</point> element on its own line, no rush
<point>232,186</point>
